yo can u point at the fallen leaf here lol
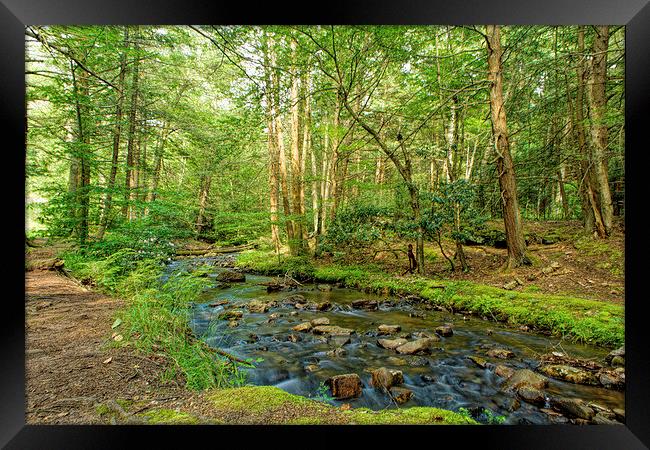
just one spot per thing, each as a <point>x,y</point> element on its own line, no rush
<point>118,338</point>
<point>107,360</point>
<point>117,323</point>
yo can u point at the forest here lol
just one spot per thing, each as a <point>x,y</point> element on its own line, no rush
<point>462,187</point>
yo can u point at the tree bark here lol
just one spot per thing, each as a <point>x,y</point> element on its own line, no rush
<point>598,129</point>
<point>507,182</point>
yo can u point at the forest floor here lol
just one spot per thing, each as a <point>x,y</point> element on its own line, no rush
<point>77,374</point>
<point>582,266</point>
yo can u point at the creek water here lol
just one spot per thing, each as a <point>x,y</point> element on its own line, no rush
<point>445,379</point>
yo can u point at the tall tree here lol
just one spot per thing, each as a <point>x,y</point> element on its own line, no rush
<point>505,167</point>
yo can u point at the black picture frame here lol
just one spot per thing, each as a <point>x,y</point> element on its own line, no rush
<point>16,14</point>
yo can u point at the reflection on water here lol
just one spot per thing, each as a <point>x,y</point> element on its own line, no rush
<point>444,379</point>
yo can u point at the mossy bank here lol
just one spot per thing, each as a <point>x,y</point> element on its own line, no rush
<point>271,405</point>
<point>582,320</point>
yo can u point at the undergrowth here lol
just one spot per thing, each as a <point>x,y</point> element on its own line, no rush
<point>156,316</point>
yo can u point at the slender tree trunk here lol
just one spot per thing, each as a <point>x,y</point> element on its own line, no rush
<point>130,181</point>
<point>279,142</point>
<point>593,221</point>
<point>325,181</point>
<point>598,129</point>
<point>296,176</point>
<point>204,193</point>
<point>83,140</point>
<point>273,148</point>
<point>157,163</point>
<point>507,183</point>
<point>117,131</point>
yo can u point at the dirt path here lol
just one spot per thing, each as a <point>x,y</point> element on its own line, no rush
<point>71,366</point>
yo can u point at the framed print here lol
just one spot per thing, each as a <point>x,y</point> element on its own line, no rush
<point>373,218</point>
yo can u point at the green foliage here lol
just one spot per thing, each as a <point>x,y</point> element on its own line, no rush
<point>357,226</point>
<point>452,212</point>
<point>267,263</point>
<point>323,394</point>
<point>486,416</point>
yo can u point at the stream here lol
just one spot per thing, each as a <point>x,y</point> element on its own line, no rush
<point>445,379</point>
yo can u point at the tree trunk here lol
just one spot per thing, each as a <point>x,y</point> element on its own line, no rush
<point>593,221</point>
<point>273,150</point>
<point>117,131</point>
<point>157,162</point>
<point>204,193</point>
<point>598,129</point>
<point>82,175</point>
<point>507,183</point>
<point>130,181</point>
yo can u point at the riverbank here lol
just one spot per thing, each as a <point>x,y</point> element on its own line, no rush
<point>581,320</point>
<point>80,372</point>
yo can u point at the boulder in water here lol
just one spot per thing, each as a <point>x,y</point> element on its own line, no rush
<point>504,371</point>
<point>415,347</point>
<point>481,362</point>
<point>384,378</point>
<point>444,330</point>
<point>364,304</point>
<point>524,377</point>
<point>571,374</point>
<point>324,306</point>
<point>256,306</point>
<point>320,321</point>
<point>230,276</point>
<point>293,299</point>
<point>531,395</point>
<point>391,344</point>
<point>303,327</point>
<point>572,408</point>
<point>614,353</point>
<point>332,330</point>
<point>389,329</point>
<point>345,386</point>
<point>401,395</point>
<point>502,353</point>
<point>611,379</point>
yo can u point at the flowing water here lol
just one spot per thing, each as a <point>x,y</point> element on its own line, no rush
<point>446,378</point>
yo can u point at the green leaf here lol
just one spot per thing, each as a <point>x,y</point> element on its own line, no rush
<point>117,323</point>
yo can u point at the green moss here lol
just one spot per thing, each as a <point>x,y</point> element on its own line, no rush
<point>102,409</point>
<point>168,417</point>
<point>258,399</point>
<point>270,404</point>
<point>407,416</point>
